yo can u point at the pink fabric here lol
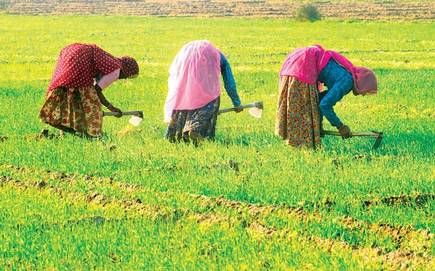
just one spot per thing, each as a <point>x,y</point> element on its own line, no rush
<point>365,81</point>
<point>108,79</point>
<point>307,63</point>
<point>302,63</point>
<point>194,77</point>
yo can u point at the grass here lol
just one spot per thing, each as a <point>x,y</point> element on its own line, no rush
<point>245,201</point>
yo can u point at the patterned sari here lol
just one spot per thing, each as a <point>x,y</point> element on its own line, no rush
<point>298,117</point>
<point>202,121</point>
<point>74,109</point>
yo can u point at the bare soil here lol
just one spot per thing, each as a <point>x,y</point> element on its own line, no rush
<point>368,10</point>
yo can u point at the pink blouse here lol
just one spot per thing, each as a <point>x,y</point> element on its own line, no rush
<point>108,79</point>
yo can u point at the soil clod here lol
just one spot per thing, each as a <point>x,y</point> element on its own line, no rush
<point>41,184</point>
<point>234,165</point>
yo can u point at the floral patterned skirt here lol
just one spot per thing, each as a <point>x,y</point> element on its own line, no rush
<point>201,120</point>
<point>298,117</point>
<point>76,109</point>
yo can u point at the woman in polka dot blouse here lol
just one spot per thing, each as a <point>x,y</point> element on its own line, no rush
<point>74,96</point>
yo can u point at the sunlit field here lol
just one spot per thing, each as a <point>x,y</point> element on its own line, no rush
<point>246,201</point>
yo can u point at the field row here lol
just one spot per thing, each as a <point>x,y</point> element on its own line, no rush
<point>390,246</point>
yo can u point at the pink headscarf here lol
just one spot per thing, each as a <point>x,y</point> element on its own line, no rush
<point>364,79</point>
<point>307,63</point>
<point>194,77</point>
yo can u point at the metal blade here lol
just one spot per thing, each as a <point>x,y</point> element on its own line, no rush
<point>135,120</point>
<point>378,141</point>
<point>256,112</point>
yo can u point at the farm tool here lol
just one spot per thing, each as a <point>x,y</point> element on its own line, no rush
<point>377,135</point>
<point>256,109</point>
<point>135,120</point>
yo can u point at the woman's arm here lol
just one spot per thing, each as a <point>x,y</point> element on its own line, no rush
<point>229,82</point>
<point>104,82</point>
<point>328,101</point>
<point>105,102</point>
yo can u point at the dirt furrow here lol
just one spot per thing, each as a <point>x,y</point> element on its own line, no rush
<point>372,10</point>
<point>415,200</point>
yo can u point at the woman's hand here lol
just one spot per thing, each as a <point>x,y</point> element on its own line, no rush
<point>115,110</point>
<point>238,109</point>
<point>106,103</point>
<point>344,131</point>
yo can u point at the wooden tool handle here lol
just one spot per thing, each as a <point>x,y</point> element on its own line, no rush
<point>126,113</point>
<point>251,105</point>
<point>370,134</point>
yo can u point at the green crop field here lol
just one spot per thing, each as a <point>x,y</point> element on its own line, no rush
<point>244,202</point>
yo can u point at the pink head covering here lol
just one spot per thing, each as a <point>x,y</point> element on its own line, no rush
<point>307,63</point>
<point>194,77</point>
<point>364,81</point>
